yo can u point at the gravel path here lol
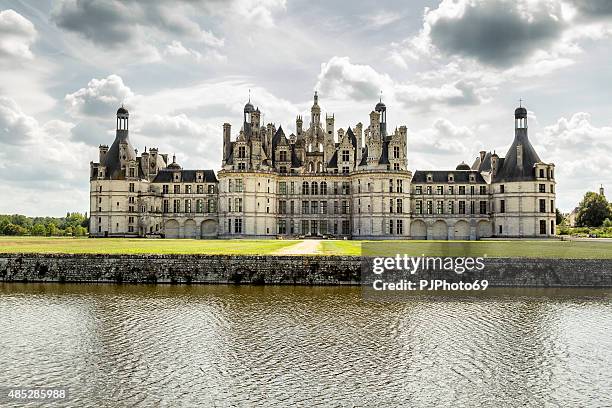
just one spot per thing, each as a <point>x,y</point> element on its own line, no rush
<point>306,247</point>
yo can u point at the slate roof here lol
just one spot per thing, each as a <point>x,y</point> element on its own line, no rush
<point>112,161</point>
<point>187,176</point>
<point>441,176</point>
<point>510,169</point>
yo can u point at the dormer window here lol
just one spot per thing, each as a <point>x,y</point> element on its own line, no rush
<point>429,178</point>
<point>177,177</point>
<point>451,178</point>
<point>472,178</point>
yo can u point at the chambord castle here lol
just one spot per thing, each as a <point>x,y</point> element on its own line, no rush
<point>320,181</point>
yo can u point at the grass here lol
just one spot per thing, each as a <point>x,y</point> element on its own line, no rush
<point>508,249</point>
<point>49,245</point>
<point>501,249</point>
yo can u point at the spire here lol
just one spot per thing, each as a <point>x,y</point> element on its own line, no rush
<point>316,98</point>
<point>249,95</point>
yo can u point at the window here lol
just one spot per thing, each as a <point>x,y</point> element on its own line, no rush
<point>305,208</point>
<point>132,172</point>
<point>451,207</point>
<point>323,188</point>
<point>400,227</point>
<point>483,190</point>
<point>199,206</point>
<point>131,187</point>
<point>391,227</point>
<point>542,188</point>
<point>346,188</point>
<point>451,189</point>
<point>345,227</point>
<point>241,166</point>
<point>345,155</point>
<point>314,207</point>
<point>400,206</point>
<point>542,176</point>
<point>396,152</point>
<point>211,206</point>
<point>283,169</point>
<point>440,207</point>
<point>502,206</point>
<point>542,227</point>
<point>282,226</point>
<point>542,205</point>
<point>440,190</point>
<point>418,190</point>
<point>314,188</point>
<point>345,207</point>
<point>472,190</point>
<point>429,189</point>
<point>238,204</point>
<point>483,207</point>
<point>166,206</point>
<point>229,205</point>
<point>305,227</point>
<point>390,185</point>
<point>187,206</point>
<point>472,207</point>
<point>419,207</point>
<point>292,189</point>
<point>239,185</point>
<point>345,169</point>
<point>429,207</point>
<point>461,190</point>
<point>282,156</point>
<point>282,187</point>
<point>552,227</point>
<point>292,207</point>
<point>177,206</point>
<point>323,226</point>
<point>200,189</point>
<point>500,229</point>
<point>552,206</point>
<point>241,152</point>
<point>391,205</point>
<point>238,226</point>
<point>501,188</point>
<point>165,189</point>
<point>305,188</point>
<point>177,189</point>
<point>188,189</point>
<point>552,188</point>
<point>323,207</point>
<point>400,186</point>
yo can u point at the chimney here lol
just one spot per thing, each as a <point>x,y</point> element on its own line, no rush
<point>227,131</point>
<point>103,151</point>
<point>482,155</point>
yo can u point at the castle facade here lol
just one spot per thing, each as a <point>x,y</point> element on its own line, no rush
<point>352,183</point>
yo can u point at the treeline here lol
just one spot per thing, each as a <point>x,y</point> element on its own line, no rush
<point>73,224</point>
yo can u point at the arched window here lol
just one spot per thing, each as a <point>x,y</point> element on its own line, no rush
<point>320,147</point>
<point>314,188</point>
<point>323,188</point>
<point>311,167</point>
<point>320,167</point>
<point>305,189</point>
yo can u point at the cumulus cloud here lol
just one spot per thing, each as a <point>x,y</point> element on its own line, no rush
<point>340,78</point>
<point>39,162</point>
<point>141,27</point>
<point>581,151</point>
<point>17,34</point>
<point>100,98</point>
<point>443,138</point>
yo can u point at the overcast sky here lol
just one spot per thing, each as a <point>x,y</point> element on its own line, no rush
<point>451,71</point>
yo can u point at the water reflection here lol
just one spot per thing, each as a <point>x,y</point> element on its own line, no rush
<point>239,345</point>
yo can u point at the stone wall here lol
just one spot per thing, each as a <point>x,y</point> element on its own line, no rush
<point>299,270</point>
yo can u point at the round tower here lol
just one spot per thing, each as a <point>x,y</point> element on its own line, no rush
<point>122,118</point>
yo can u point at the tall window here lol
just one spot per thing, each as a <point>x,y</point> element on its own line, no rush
<point>238,225</point>
<point>502,206</point>
<point>400,227</point>
<point>461,207</point>
<point>305,208</point>
<point>323,207</point>
<point>400,206</point>
<point>346,188</point>
<point>483,190</point>
<point>187,206</point>
<point>238,204</point>
<point>239,185</point>
<point>440,190</point>
<point>199,206</point>
<point>430,207</point>
<point>177,206</point>
<point>314,188</point>
<point>345,207</point>
<point>483,207</point>
<point>543,227</point>
<point>451,207</point>
<point>241,152</point>
<point>542,188</point>
<point>461,190</point>
<point>305,188</point>
<point>177,189</point>
<point>131,187</point>
<point>323,188</point>
<point>211,206</point>
<point>165,189</point>
<point>396,152</point>
<point>282,187</point>
<point>282,226</point>
<point>282,156</point>
<point>418,190</point>
<point>419,207</point>
<point>400,186</point>
<point>345,155</point>
<point>440,207</point>
<point>542,206</point>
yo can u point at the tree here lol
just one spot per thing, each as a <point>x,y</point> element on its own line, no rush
<point>39,230</point>
<point>559,217</point>
<point>593,210</point>
<point>12,229</point>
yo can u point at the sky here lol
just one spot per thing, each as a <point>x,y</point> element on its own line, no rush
<point>451,71</point>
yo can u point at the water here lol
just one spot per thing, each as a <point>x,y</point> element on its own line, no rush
<point>124,346</point>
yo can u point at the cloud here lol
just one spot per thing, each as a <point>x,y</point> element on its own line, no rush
<point>17,34</point>
<point>100,98</point>
<point>443,138</point>
<point>339,78</point>
<point>381,19</point>
<point>581,152</point>
<point>138,28</point>
<point>40,162</point>
<point>176,49</point>
<point>593,8</point>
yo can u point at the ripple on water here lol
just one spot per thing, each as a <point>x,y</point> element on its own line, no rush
<point>280,346</point>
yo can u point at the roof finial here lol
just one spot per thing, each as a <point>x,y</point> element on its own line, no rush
<point>249,95</point>
<point>520,102</point>
<point>174,158</point>
<point>380,99</point>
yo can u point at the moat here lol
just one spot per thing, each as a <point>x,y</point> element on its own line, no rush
<point>224,345</point>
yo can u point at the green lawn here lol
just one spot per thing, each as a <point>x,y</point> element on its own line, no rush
<point>139,246</point>
<point>505,249</point>
<point>530,249</point>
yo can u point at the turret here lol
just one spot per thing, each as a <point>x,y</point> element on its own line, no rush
<point>381,108</point>
<point>298,125</point>
<point>359,136</point>
<point>329,126</point>
<point>103,151</point>
<point>315,111</point>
